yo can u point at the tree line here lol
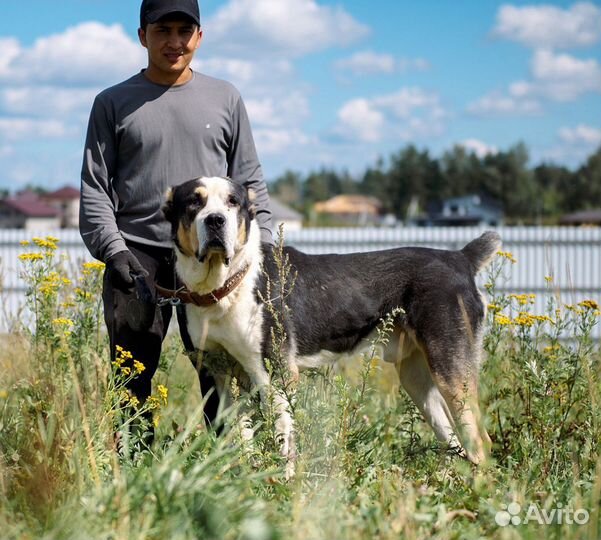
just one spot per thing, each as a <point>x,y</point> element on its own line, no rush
<point>537,194</point>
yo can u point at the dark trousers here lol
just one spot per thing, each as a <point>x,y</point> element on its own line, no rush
<point>140,327</point>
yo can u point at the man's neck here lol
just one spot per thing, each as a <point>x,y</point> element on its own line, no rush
<point>162,78</point>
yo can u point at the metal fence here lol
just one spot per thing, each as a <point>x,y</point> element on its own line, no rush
<point>571,255</point>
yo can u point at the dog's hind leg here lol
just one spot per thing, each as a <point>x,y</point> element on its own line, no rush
<point>416,379</point>
<point>456,376</point>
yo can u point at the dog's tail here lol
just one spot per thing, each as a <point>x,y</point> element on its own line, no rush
<point>479,252</point>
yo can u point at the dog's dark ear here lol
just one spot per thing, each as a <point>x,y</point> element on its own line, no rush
<point>167,208</point>
<point>252,209</point>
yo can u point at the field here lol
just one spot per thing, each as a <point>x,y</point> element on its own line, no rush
<point>368,466</point>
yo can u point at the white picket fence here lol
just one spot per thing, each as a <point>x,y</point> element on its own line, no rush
<point>571,255</point>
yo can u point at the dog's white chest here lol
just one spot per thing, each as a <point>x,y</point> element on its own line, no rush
<point>233,326</point>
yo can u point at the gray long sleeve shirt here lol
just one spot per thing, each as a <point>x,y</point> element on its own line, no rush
<point>143,138</point>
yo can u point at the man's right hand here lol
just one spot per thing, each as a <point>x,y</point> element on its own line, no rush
<point>123,266</point>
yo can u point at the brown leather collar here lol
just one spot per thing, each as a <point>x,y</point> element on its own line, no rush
<point>192,297</point>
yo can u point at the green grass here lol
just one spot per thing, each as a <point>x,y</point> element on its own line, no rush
<point>368,466</point>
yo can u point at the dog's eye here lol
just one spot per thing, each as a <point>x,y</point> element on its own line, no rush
<point>196,201</point>
<point>232,201</point>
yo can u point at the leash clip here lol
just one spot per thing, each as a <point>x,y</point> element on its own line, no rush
<point>168,301</point>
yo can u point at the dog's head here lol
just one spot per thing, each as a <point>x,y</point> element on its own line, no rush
<point>210,217</point>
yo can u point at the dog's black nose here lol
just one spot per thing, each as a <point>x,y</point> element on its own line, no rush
<point>215,221</point>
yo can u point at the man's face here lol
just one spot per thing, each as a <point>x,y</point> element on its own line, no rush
<point>171,45</point>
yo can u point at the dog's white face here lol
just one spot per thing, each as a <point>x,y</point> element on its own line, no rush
<point>210,218</point>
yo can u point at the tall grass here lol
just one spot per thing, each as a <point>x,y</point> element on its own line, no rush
<point>368,466</point>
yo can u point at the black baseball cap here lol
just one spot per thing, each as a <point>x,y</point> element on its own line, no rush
<point>153,10</point>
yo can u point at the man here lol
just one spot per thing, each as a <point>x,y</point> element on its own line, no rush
<point>161,127</point>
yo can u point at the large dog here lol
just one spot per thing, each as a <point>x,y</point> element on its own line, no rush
<point>336,303</point>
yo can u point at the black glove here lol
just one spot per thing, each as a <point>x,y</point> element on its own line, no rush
<point>123,268</point>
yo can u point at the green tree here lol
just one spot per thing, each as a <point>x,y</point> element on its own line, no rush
<point>412,173</point>
<point>507,178</point>
<point>288,188</point>
<point>552,181</point>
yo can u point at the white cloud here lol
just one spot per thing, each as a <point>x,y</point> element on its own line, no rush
<point>371,63</point>
<point>21,128</point>
<point>10,48</point>
<point>6,151</point>
<point>235,70</point>
<point>274,141</point>
<point>406,100</point>
<point>258,77</point>
<point>481,149</point>
<point>89,53</point>
<point>43,101</point>
<point>555,77</point>
<point>407,114</point>
<point>550,26</point>
<point>562,77</point>
<point>360,119</point>
<point>285,28</point>
<point>581,134</point>
<point>497,103</point>
<point>270,111</point>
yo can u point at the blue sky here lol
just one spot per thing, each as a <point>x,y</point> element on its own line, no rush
<point>326,83</point>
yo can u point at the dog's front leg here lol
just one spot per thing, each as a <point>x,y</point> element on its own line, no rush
<point>284,425</point>
<point>284,428</point>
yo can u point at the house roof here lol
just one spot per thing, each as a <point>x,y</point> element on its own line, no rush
<point>349,204</point>
<point>281,212</point>
<point>31,207</point>
<point>477,199</point>
<point>64,193</point>
<point>582,217</point>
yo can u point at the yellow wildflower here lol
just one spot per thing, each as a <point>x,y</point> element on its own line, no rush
<point>524,319</point>
<point>502,319</point>
<point>494,307</point>
<point>139,366</point>
<point>543,318</point>
<point>528,319</point>
<point>589,304</point>
<point>153,403</point>
<point>507,255</point>
<point>62,321</point>
<point>134,402</point>
<point>163,392</point>
<point>81,294</point>
<point>94,265</point>
<point>25,242</point>
<point>126,371</point>
<point>155,420</point>
<point>31,256</point>
<point>48,243</point>
<point>523,299</point>
<point>574,309</point>
<point>549,279</point>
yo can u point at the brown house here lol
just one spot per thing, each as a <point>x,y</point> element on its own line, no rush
<point>582,218</point>
<point>66,201</point>
<point>351,209</point>
<point>27,211</point>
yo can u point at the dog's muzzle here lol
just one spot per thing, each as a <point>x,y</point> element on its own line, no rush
<point>215,238</point>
